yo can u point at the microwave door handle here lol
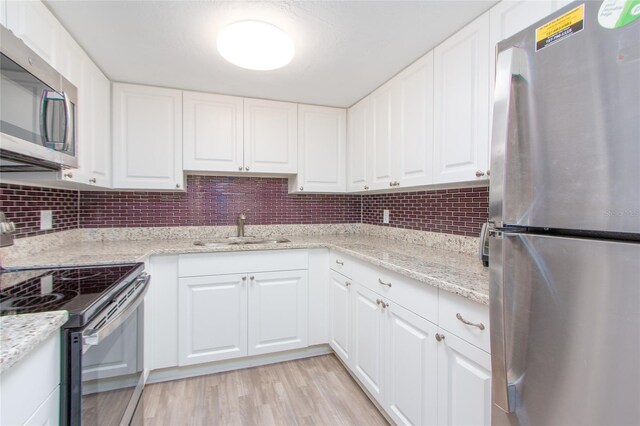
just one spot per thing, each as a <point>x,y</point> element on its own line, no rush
<point>43,117</point>
<point>93,337</point>
<point>68,133</point>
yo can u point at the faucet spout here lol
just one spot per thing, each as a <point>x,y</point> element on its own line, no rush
<point>240,229</point>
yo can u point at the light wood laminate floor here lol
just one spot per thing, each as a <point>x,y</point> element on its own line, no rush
<point>310,391</point>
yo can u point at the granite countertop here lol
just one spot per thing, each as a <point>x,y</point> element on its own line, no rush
<point>19,334</point>
<point>454,272</point>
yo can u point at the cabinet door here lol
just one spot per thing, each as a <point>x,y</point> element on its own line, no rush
<point>213,139</point>
<point>461,107</point>
<point>94,128</point>
<point>411,387</point>
<point>48,413</point>
<point>415,148</point>
<point>368,335</point>
<point>340,316</point>
<point>360,130</point>
<point>113,357</point>
<point>212,316</point>
<point>385,110</point>
<point>147,137</point>
<point>277,311</point>
<point>270,136</point>
<point>464,383</point>
<point>35,25</point>
<point>321,149</point>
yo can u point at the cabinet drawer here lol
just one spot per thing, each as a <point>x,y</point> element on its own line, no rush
<point>341,263</point>
<point>452,306</point>
<point>415,296</point>
<point>193,265</point>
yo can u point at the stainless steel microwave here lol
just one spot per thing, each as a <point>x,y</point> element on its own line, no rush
<point>37,110</point>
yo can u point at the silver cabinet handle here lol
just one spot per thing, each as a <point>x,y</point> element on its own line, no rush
<point>472,324</point>
<point>244,278</point>
<point>366,187</point>
<point>240,168</point>
<point>252,277</point>
<point>381,302</point>
<point>247,168</point>
<point>177,185</point>
<point>383,283</point>
<point>340,262</point>
<point>479,173</point>
<point>68,175</point>
<point>439,337</point>
<point>488,172</point>
<point>347,283</point>
<point>302,188</point>
<point>390,183</point>
<point>92,180</point>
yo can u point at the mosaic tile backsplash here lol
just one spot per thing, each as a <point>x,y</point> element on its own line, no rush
<point>460,211</point>
<point>212,200</point>
<point>22,205</point>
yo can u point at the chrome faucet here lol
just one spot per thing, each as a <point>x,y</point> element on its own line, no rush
<point>241,218</point>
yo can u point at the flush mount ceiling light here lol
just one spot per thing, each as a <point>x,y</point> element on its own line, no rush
<point>255,45</point>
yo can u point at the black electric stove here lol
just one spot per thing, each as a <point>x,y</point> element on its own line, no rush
<point>82,291</point>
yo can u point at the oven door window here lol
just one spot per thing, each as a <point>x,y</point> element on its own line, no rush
<point>111,371</point>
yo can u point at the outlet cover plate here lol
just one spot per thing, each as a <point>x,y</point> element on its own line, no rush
<point>385,216</point>
<point>46,220</point>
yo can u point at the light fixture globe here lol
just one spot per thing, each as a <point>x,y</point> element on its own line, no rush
<point>255,45</point>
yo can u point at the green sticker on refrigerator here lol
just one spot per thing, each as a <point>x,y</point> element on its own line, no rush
<point>618,13</point>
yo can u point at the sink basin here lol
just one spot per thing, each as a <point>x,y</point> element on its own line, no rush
<point>234,241</point>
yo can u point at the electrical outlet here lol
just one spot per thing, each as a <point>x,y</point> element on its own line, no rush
<point>385,216</point>
<point>46,219</point>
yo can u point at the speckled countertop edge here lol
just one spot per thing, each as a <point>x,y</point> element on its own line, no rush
<point>20,334</point>
<point>453,272</point>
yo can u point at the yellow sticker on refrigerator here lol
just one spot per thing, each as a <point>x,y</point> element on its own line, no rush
<point>560,28</point>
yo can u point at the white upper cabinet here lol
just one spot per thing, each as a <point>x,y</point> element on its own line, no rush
<point>147,137</point>
<point>270,136</point>
<point>32,22</point>
<point>360,132</point>
<point>461,104</point>
<point>415,145</point>
<point>3,12</point>
<point>321,150</point>
<point>213,132</point>
<point>384,107</point>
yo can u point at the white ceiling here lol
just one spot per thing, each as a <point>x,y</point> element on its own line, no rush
<point>344,49</point>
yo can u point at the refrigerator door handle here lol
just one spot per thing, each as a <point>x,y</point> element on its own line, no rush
<point>509,64</point>
<point>503,392</point>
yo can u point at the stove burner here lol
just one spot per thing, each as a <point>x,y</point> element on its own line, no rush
<point>30,302</point>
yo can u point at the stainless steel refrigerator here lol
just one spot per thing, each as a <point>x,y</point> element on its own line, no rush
<point>564,238</point>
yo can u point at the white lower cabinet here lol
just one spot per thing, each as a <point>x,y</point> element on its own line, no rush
<point>368,341</point>
<point>340,315</point>
<point>30,389</point>
<point>212,318</point>
<point>464,382</point>
<point>411,384</point>
<point>277,311</point>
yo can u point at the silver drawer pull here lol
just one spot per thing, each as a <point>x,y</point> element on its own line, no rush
<point>383,283</point>
<point>347,283</point>
<point>464,321</point>
<point>339,262</point>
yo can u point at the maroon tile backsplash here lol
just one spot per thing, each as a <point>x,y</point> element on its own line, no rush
<point>22,205</point>
<point>460,211</point>
<point>212,200</point>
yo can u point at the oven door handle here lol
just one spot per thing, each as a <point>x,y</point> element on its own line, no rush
<point>92,337</point>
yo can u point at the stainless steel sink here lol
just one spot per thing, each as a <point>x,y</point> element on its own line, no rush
<point>233,241</point>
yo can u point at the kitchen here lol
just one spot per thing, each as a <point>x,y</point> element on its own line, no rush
<point>197,235</point>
